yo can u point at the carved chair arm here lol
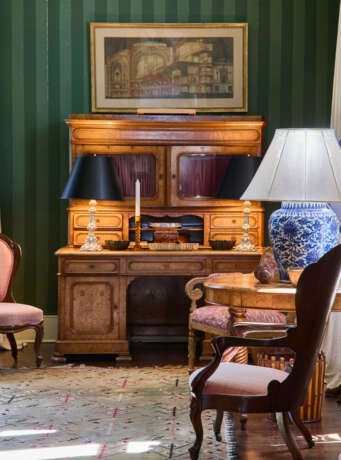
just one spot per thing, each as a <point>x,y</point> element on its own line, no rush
<point>193,292</point>
<point>247,327</point>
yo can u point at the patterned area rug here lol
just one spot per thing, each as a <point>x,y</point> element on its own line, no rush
<point>99,413</point>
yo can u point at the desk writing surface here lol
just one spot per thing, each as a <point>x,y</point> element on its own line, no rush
<point>148,252</point>
<point>244,290</point>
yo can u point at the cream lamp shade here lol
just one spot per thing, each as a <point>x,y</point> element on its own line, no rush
<point>301,168</point>
<point>299,165</point>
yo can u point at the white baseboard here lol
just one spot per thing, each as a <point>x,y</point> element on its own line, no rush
<point>50,331</point>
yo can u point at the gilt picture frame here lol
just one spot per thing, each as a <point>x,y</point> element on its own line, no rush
<point>160,67</point>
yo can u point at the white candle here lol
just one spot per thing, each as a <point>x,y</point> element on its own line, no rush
<point>137,198</point>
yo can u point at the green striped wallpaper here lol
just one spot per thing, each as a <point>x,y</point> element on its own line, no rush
<point>44,51</point>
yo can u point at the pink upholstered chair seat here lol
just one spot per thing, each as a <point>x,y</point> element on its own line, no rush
<point>213,317</point>
<point>240,379</point>
<point>17,314</point>
<point>217,317</point>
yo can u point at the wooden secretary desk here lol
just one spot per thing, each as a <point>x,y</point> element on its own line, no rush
<point>180,161</point>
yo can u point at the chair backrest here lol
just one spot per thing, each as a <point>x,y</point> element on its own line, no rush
<point>10,254</point>
<point>315,296</point>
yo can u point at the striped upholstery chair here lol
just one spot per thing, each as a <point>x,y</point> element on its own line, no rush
<point>16,317</point>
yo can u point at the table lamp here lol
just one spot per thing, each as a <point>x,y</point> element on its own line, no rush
<point>301,168</point>
<point>93,177</point>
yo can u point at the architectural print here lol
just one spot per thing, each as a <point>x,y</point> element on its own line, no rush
<point>168,68</point>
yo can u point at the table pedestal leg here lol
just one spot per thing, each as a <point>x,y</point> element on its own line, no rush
<point>238,315</point>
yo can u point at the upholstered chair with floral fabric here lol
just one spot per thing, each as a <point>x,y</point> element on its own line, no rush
<point>215,320</point>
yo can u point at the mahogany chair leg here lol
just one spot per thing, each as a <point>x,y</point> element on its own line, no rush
<point>217,424</point>
<point>195,415</point>
<point>14,348</point>
<point>39,328</point>
<point>303,429</point>
<point>232,445</point>
<point>283,425</point>
<point>191,349</point>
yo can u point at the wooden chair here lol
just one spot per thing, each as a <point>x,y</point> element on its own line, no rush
<point>16,317</point>
<point>215,320</point>
<point>233,387</point>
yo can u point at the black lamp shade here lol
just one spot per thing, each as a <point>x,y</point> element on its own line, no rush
<point>238,175</point>
<point>93,177</point>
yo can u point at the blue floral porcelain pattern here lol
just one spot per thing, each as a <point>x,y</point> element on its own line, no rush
<point>300,233</point>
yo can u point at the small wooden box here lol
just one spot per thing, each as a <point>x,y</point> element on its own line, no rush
<point>166,236</point>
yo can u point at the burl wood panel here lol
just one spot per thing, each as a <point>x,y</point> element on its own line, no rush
<point>92,308</point>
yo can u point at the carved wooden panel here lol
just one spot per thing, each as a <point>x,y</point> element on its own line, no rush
<point>102,221</point>
<point>80,236</point>
<point>91,307</point>
<point>91,266</point>
<point>234,220</point>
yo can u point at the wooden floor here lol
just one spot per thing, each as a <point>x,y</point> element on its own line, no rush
<point>260,441</point>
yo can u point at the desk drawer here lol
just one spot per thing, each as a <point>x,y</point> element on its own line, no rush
<point>81,220</point>
<point>228,234</point>
<point>80,236</point>
<point>165,266</point>
<point>91,266</point>
<point>223,221</point>
<point>244,265</point>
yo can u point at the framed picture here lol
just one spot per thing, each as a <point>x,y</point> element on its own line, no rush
<point>202,67</point>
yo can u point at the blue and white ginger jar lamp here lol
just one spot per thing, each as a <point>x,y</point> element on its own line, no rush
<point>301,168</point>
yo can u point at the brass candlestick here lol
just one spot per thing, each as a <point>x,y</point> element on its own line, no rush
<point>137,232</point>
